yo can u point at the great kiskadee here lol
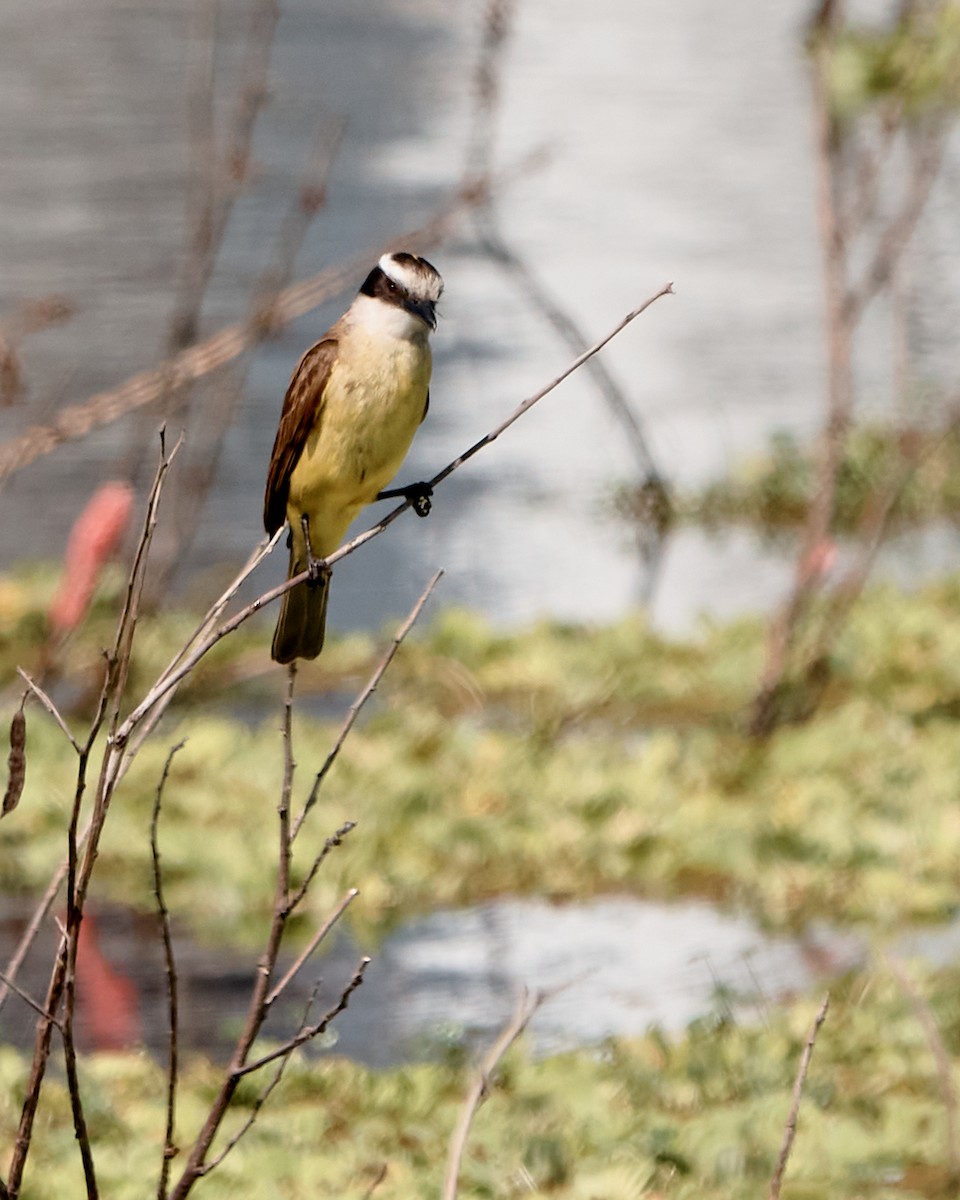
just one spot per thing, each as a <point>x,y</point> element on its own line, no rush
<point>351,410</point>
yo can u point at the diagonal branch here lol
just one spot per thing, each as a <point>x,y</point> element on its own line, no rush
<point>371,686</point>
<point>527,1006</point>
<point>790,1129</point>
<point>172,678</point>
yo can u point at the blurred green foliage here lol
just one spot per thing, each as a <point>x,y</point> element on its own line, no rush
<point>772,492</point>
<point>913,63</point>
<point>694,1118</point>
<point>564,761</point>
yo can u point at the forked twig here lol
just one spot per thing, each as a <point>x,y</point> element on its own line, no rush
<point>371,686</point>
<point>263,1097</point>
<point>312,945</point>
<point>528,1004</point>
<point>790,1129</point>
<point>311,1031</point>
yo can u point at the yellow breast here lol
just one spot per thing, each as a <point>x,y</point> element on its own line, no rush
<point>372,404</point>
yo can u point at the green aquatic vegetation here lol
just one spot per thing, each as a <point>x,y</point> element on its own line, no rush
<point>699,1116</point>
<point>562,761</point>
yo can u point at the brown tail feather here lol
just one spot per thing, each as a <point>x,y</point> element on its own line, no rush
<point>302,620</point>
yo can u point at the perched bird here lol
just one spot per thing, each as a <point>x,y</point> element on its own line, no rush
<point>351,410</point>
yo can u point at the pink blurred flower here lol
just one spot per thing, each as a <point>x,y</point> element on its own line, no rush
<point>95,536</point>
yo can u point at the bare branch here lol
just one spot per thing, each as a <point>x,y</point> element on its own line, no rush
<point>264,1094</point>
<point>364,696</point>
<point>61,987</point>
<point>312,945</point>
<point>28,999</point>
<point>528,1004</point>
<point>169,1149</point>
<point>941,1056</point>
<point>311,1031</point>
<point>51,708</point>
<point>331,843</point>
<point>790,1129</point>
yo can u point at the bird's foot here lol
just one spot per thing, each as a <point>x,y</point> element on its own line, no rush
<point>317,570</point>
<point>418,495</point>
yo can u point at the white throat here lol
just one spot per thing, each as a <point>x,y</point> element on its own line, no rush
<point>386,320</point>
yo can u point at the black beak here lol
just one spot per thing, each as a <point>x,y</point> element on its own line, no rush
<point>426,310</point>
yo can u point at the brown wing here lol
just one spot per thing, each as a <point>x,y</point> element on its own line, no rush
<point>302,406</point>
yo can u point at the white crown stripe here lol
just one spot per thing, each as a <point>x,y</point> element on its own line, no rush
<point>420,282</point>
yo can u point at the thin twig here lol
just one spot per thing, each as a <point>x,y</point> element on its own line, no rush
<point>941,1056</point>
<point>790,1129</point>
<point>169,1149</point>
<point>311,1031</point>
<point>28,999</point>
<point>63,973</point>
<point>49,705</point>
<point>331,843</point>
<point>312,945</point>
<point>264,1095</point>
<point>371,686</point>
<point>528,1004</point>
<point>256,1009</point>
<point>143,731</point>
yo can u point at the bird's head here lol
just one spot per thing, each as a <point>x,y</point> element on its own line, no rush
<point>407,281</point>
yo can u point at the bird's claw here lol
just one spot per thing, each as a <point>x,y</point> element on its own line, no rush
<point>420,497</point>
<point>317,571</point>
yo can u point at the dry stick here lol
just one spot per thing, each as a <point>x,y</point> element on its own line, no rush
<point>331,843</point>
<point>790,1129</point>
<point>780,638</point>
<point>845,307</point>
<point>169,1149</point>
<point>873,529</point>
<point>144,730</point>
<point>502,253</point>
<point>256,1009</point>
<point>286,902</point>
<point>78,420</point>
<point>51,708</point>
<point>64,968</point>
<point>527,1006</point>
<point>371,686</point>
<point>264,1095</point>
<point>28,999</point>
<point>220,179</point>
<point>186,665</point>
<point>119,666</point>
<point>941,1056</point>
<point>311,1031</point>
<point>895,237</point>
<point>312,945</point>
